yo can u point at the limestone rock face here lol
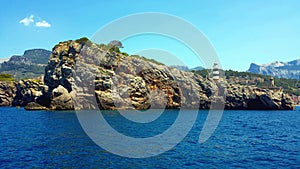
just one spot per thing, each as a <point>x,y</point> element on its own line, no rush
<point>61,99</point>
<point>35,106</point>
<point>249,97</point>
<point>19,93</point>
<point>84,75</point>
<point>7,93</point>
<point>60,65</point>
<point>27,91</point>
<point>122,82</point>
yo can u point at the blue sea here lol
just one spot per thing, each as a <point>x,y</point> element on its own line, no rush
<point>243,139</point>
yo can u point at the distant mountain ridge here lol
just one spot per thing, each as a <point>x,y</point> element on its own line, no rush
<point>278,69</point>
<point>29,65</point>
<point>37,56</point>
<point>185,68</point>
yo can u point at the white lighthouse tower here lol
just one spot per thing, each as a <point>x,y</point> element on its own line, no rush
<point>216,72</point>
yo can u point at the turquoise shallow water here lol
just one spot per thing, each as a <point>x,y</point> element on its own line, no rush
<point>243,139</point>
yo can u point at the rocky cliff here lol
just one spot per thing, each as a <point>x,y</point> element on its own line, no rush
<point>79,73</point>
<point>19,93</point>
<point>7,93</point>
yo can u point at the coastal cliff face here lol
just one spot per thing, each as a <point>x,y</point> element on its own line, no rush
<point>19,93</point>
<point>7,93</point>
<point>248,97</point>
<point>118,81</point>
<point>80,71</point>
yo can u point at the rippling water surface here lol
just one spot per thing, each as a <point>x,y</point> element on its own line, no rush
<point>243,139</point>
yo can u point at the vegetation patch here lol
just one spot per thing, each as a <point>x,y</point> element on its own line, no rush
<point>7,78</point>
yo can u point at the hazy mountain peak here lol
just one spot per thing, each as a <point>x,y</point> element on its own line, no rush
<point>31,64</point>
<point>185,68</point>
<point>278,69</point>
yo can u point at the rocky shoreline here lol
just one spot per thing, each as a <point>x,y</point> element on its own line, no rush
<point>79,70</point>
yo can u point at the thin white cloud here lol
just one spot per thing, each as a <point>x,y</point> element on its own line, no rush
<point>27,21</point>
<point>43,23</point>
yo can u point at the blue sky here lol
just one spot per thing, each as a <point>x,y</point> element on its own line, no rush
<point>242,32</point>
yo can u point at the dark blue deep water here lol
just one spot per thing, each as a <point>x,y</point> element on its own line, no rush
<point>243,139</point>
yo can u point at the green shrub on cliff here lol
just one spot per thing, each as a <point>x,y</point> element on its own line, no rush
<point>84,40</point>
<point>290,85</point>
<point>6,77</point>
<point>109,48</point>
<point>124,53</point>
